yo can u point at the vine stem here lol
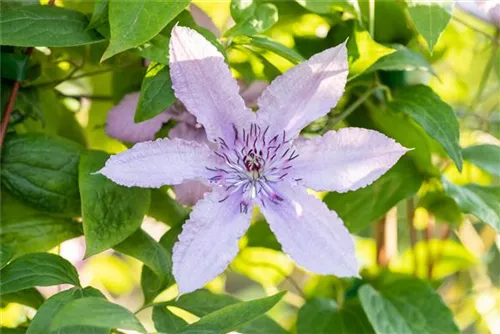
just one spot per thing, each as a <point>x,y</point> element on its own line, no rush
<point>487,70</point>
<point>12,99</point>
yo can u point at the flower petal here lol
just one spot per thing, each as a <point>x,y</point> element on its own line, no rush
<point>305,92</point>
<point>155,163</point>
<point>188,132</point>
<point>209,240</point>
<point>310,233</point>
<point>190,192</point>
<point>202,81</point>
<point>345,160</point>
<point>120,123</point>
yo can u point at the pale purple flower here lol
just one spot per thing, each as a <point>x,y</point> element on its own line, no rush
<point>485,10</point>
<point>257,161</point>
<point>120,122</point>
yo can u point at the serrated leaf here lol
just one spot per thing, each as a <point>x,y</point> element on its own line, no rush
<point>255,21</point>
<point>153,284</point>
<point>402,60</point>
<point>95,312</point>
<point>165,321</point>
<point>486,157</point>
<point>360,208</point>
<point>43,318</point>
<point>325,316</point>
<point>482,202</point>
<point>406,306</point>
<point>45,26</point>
<point>42,170</point>
<point>99,15</point>
<point>203,302</point>
<point>30,297</point>
<point>156,93</point>
<point>110,212</point>
<point>434,115</point>
<point>37,269</point>
<point>144,248</point>
<point>232,317</point>
<point>133,23</point>
<point>430,20</point>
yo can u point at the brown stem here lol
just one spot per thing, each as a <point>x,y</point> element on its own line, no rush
<point>410,211</point>
<point>12,100</point>
<point>387,238</point>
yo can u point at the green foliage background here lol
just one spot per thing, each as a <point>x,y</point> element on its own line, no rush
<point>426,232</point>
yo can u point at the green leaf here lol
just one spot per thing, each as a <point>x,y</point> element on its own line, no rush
<point>43,318</point>
<point>144,248</point>
<point>328,6</point>
<point>325,316</point>
<point>406,306</point>
<point>26,230</point>
<point>42,170</point>
<point>254,19</point>
<point>482,202</point>
<point>434,115</point>
<point>408,133</point>
<point>6,254</point>
<point>95,312</point>
<point>430,21</point>
<point>484,156</point>
<point>13,66</point>
<point>402,60</point>
<point>203,302</point>
<point>156,93</point>
<point>8,330</point>
<point>442,206</point>
<point>360,208</point>
<point>133,23</point>
<point>110,212</point>
<point>37,269</point>
<point>99,15</point>
<point>45,26</point>
<point>165,209</point>
<point>30,297</point>
<point>154,283</point>
<point>232,317</point>
<point>165,321</point>
<point>270,45</point>
<point>242,9</point>
<point>364,51</point>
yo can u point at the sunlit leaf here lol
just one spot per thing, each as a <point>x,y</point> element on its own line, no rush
<point>406,306</point>
<point>484,156</point>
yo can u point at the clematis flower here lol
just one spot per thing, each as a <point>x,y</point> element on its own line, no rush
<point>256,160</point>
<point>485,10</point>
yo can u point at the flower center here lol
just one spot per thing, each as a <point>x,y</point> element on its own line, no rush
<point>253,163</point>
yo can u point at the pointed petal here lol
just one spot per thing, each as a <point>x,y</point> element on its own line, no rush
<point>120,122</point>
<point>202,81</point>
<point>305,92</point>
<point>344,160</point>
<point>190,192</point>
<point>209,241</point>
<point>155,163</point>
<point>310,233</point>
